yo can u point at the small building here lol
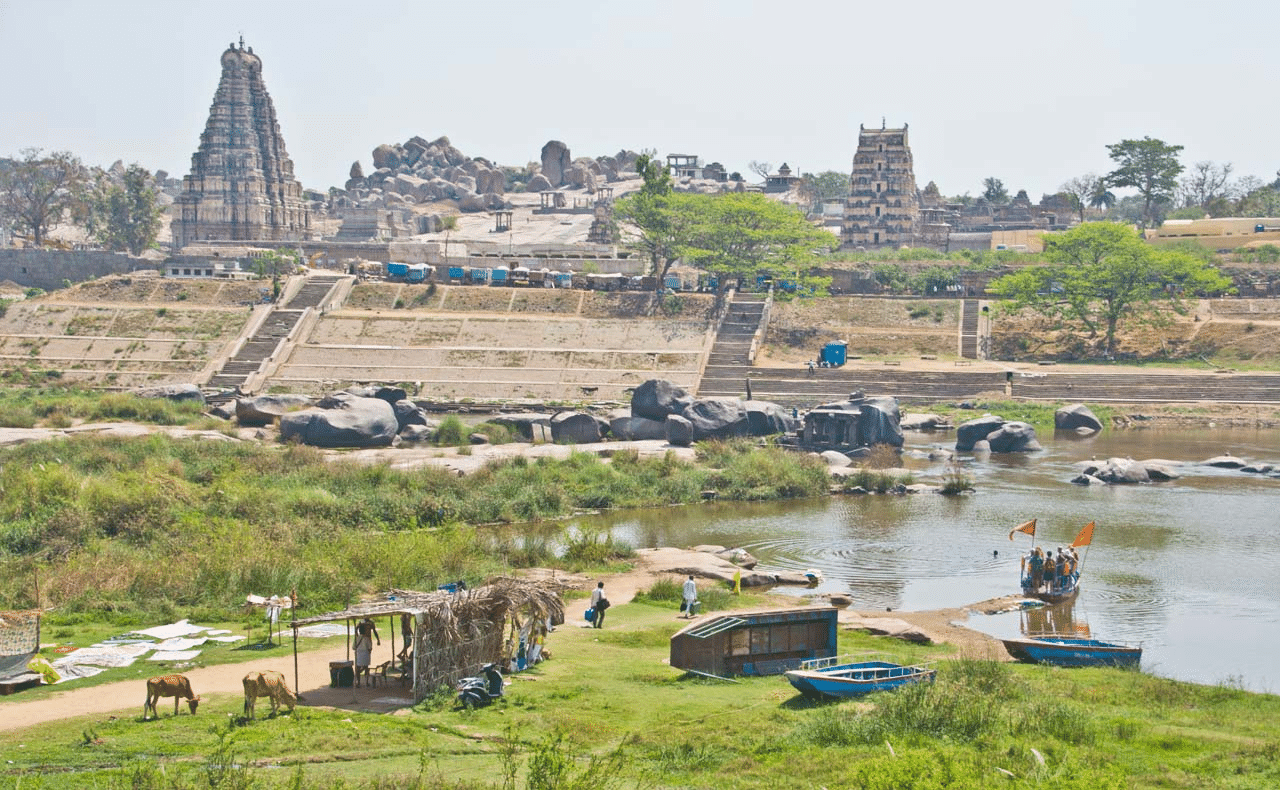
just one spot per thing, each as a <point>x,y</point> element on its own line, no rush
<point>763,642</point>
<point>684,166</point>
<point>781,181</point>
<point>850,424</point>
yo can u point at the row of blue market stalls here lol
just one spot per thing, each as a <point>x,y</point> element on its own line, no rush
<point>541,278</point>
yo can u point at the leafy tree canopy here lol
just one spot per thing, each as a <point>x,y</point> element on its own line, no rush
<point>824,187</point>
<point>994,190</point>
<point>746,235</point>
<point>1101,274</point>
<point>125,215</point>
<point>37,193</point>
<point>1150,166</point>
<point>739,235</point>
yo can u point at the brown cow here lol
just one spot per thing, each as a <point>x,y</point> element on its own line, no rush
<point>176,686</point>
<point>267,684</point>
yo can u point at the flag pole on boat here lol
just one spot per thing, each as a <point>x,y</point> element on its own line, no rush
<point>1084,538</point>
<point>1029,527</point>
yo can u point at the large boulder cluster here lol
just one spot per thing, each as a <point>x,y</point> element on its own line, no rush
<point>660,408</point>
<point>996,434</point>
<point>417,171</point>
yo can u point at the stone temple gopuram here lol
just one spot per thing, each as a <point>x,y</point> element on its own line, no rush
<point>883,207</point>
<point>241,186</point>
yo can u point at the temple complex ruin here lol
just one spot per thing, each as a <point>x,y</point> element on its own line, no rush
<point>883,207</point>
<point>241,186</point>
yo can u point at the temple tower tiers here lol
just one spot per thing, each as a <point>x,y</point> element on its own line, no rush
<point>883,207</point>
<point>241,185</point>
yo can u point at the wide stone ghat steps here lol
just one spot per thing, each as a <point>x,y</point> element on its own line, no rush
<point>733,341</point>
<point>793,386</point>
<point>313,291</point>
<point>274,328</point>
<point>1138,387</point>
<point>969,329</point>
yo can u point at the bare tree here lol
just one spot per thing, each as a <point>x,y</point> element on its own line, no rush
<point>1080,190</point>
<point>1206,182</point>
<point>38,193</point>
<point>762,169</point>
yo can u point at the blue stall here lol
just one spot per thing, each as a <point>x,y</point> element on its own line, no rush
<point>834,353</point>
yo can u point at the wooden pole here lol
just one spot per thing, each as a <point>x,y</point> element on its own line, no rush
<point>293,607</point>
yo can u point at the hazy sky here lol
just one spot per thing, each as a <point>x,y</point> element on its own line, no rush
<point>1026,91</point>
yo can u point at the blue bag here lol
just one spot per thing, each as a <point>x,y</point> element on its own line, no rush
<point>590,614</point>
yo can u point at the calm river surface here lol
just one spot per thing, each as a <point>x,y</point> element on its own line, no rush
<point>1189,568</point>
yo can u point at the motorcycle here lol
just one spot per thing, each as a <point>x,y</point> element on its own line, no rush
<point>476,692</point>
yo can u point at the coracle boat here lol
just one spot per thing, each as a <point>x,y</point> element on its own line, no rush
<point>846,676</point>
<point>1065,651</point>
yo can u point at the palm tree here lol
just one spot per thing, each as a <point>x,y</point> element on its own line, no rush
<point>1102,197</point>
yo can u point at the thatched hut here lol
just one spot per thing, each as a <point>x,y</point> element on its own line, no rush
<point>457,633</point>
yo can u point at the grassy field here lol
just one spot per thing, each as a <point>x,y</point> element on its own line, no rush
<point>607,712</point>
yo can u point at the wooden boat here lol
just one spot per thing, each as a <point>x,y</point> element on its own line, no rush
<point>1065,651</point>
<point>1064,590</point>
<point>855,675</point>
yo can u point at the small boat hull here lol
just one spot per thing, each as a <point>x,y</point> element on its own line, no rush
<point>1058,594</point>
<point>856,679</point>
<point>1071,652</point>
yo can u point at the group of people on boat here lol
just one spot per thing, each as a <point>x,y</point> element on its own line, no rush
<point>1042,572</point>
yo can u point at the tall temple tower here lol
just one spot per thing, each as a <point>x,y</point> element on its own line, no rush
<point>883,207</point>
<point>241,185</point>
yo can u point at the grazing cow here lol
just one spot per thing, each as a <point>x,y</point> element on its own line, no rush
<point>176,686</point>
<point>267,684</point>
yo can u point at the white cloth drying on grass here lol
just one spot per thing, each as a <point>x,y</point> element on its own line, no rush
<point>77,672</point>
<point>180,628</point>
<point>101,656</point>
<point>173,655</point>
<point>232,638</point>
<point>323,630</point>
<point>180,643</point>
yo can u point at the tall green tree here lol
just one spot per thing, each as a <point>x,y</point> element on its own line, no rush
<point>1101,274</point>
<point>747,235</point>
<point>38,193</point>
<point>125,215</point>
<point>656,221</point>
<point>994,190</point>
<point>829,185</point>
<point>1079,191</point>
<point>1150,166</point>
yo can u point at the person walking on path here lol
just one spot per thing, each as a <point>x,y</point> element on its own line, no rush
<point>690,596</point>
<point>599,604</point>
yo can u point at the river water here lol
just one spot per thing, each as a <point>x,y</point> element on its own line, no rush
<point>1189,568</point>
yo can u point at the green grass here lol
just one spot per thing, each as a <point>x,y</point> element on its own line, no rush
<point>92,515</point>
<point>607,712</point>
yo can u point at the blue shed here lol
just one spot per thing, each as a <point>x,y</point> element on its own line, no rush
<point>498,275</point>
<point>834,353</point>
<point>457,273</point>
<point>756,642</point>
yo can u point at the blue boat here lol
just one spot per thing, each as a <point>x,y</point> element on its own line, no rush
<point>1065,651</point>
<point>840,677</point>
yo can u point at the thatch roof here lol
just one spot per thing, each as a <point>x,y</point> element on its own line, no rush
<point>492,602</point>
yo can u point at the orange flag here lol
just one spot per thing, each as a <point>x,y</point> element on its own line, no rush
<point>1029,528</point>
<point>1085,537</point>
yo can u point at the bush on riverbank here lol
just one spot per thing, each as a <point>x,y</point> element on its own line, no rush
<point>154,525</point>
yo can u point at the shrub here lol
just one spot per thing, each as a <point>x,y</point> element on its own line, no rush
<point>451,433</point>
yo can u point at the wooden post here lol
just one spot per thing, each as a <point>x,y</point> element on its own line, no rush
<point>293,607</point>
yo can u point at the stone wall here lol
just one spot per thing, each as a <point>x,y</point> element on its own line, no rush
<point>49,269</point>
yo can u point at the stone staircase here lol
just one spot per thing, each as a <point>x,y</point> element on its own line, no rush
<point>273,330</point>
<point>969,329</point>
<point>729,360</point>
